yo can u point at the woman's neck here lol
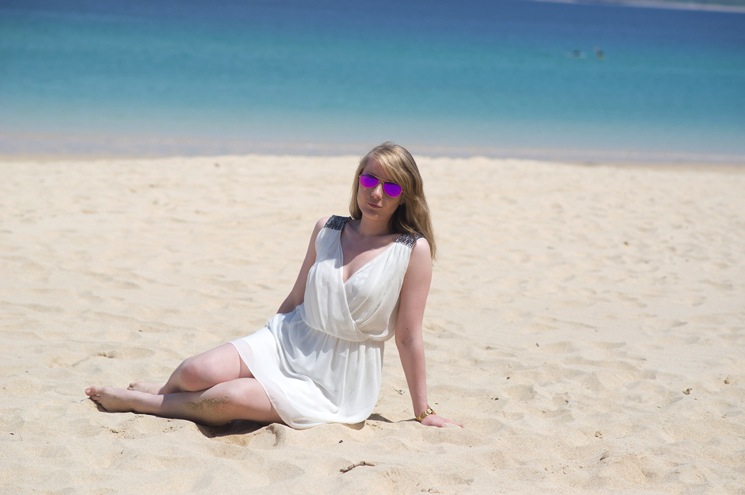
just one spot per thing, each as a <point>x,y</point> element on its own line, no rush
<point>371,228</point>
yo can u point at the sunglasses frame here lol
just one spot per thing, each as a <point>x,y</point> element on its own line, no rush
<point>379,180</point>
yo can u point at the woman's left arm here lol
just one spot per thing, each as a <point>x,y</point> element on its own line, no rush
<point>409,341</point>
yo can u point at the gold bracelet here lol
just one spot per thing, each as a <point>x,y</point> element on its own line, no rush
<point>426,413</point>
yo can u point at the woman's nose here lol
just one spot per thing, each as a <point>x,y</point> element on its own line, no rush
<point>377,191</point>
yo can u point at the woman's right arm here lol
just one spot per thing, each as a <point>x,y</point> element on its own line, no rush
<point>297,294</point>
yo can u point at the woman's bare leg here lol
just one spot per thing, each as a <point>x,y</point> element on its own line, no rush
<point>214,388</point>
<point>242,398</point>
<point>146,387</point>
<point>200,372</point>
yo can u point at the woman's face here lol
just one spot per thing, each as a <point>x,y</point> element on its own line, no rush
<point>374,202</point>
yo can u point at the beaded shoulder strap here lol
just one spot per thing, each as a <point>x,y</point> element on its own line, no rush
<point>336,222</point>
<point>408,240</point>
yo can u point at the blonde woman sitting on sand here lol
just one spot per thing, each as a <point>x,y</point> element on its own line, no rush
<point>365,278</point>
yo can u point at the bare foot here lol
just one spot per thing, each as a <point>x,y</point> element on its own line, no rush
<point>146,387</point>
<point>112,399</point>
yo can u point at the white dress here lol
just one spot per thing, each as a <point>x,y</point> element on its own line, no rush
<point>321,362</point>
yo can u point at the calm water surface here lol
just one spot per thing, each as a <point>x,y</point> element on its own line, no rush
<point>496,77</point>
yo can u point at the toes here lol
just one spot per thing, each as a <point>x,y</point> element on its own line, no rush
<point>93,393</point>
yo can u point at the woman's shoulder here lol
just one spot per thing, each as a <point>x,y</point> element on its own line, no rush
<point>419,266</point>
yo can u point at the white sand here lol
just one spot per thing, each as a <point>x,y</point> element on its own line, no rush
<point>587,324</point>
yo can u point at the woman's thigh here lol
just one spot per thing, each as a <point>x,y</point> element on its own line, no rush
<point>221,364</point>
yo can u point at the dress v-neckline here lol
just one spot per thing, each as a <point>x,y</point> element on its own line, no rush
<point>365,264</point>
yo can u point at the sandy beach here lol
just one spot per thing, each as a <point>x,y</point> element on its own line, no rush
<point>586,323</point>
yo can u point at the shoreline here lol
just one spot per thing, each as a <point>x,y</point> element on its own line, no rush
<point>54,147</point>
<point>690,164</point>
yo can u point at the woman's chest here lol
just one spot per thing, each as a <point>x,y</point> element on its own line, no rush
<point>358,256</point>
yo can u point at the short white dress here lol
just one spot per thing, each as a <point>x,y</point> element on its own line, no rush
<point>322,362</point>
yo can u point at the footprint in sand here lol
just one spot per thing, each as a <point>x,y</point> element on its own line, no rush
<point>269,437</point>
<point>522,393</point>
<point>127,353</point>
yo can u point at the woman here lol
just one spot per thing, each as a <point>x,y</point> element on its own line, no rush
<point>365,278</point>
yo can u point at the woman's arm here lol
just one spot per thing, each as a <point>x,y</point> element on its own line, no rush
<point>297,294</point>
<point>409,341</point>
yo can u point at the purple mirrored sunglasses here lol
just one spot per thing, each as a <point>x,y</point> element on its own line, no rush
<point>391,189</point>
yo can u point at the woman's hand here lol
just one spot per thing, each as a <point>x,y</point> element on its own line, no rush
<point>439,421</point>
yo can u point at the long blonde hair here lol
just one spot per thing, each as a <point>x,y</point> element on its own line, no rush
<point>412,216</point>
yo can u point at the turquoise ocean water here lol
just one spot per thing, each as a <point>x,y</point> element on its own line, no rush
<point>500,77</point>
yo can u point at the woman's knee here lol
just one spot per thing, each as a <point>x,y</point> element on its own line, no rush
<point>216,365</point>
<point>189,371</point>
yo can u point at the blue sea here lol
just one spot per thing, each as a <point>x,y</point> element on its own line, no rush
<point>490,77</point>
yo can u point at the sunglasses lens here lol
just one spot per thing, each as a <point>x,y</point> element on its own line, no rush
<point>391,189</point>
<point>368,181</point>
